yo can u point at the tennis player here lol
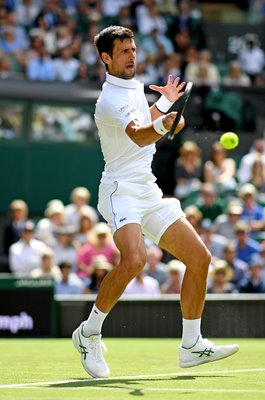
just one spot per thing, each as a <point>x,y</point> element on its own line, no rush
<point>132,203</point>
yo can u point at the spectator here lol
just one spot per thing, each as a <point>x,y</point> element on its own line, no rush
<point>13,47</point>
<point>69,283</point>
<point>252,57</point>
<point>65,248</point>
<point>203,71</point>
<point>172,65</point>
<point>176,271</point>
<point>257,178</point>
<point>247,161</point>
<point>66,65</point>
<point>155,41</point>
<point>147,18</point>
<point>25,255</point>
<point>188,170</point>
<point>142,284</point>
<point>254,283</point>
<point>41,67</point>
<point>239,267</point>
<point>111,9</point>
<point>9,42</point>
<point>225,223</point>
<point>194,216</point>
<point>220,170</point>
<point>27,11</point>
<point>101,243</point>
<point>54,217</point>
<point>100,268</point>
<point>210,206</point>
<point>154,266</point>
<point>47,35</point>
<point>6,71</point>
<point>245,246</point>
<point>82,236</point>
<point>80,198</point>
<point>18,213</point>
<point>215,243</point>
<point>82,76</point>
<point>48,267</point>
<point>64,38</point>
<point>221,275</point>
<point>235,76</point>
<point>188,19</point>
<point>20,32</point>
<point>124,17</point>
<point>88,52</point>
<point>253,213</point>
<point>52,13</point>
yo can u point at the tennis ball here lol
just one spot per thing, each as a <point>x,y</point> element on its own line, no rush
<point>229,140</point>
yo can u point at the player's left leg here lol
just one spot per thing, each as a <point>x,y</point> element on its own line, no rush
<point>182,241</point>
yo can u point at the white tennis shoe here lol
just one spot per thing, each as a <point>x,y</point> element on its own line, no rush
<point>91,353</point>
<point>204,351</point>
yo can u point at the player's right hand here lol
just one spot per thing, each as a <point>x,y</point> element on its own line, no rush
<point>169,120</point>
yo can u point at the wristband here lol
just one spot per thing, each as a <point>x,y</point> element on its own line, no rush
<point>163,104</point>
<point>159,126</point>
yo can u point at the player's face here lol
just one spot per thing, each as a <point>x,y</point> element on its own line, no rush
<point>122,62</point>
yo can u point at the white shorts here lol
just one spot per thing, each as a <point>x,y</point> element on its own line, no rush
<point>121,203</point>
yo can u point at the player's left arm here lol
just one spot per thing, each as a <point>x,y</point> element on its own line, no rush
<point>170,93</point>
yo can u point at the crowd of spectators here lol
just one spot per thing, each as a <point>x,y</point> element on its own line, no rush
<point>74,245</point>
<point>53,41</point>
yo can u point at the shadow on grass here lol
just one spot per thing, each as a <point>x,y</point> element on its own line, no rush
<point>128,383</point>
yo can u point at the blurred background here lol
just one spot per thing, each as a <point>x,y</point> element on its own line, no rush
<point>50,157</point>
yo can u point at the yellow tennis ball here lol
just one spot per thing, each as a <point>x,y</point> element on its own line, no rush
<point>229,140</point>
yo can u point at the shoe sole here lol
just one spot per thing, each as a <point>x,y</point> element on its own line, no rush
<point>198,361</point>
<point>75,340</point>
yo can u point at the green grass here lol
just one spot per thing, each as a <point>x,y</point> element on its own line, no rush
<point>139,368</point>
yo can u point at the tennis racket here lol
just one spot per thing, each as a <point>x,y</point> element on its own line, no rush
<point>182,105</point>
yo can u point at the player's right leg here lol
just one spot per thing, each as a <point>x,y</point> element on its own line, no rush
<point>87,337</point>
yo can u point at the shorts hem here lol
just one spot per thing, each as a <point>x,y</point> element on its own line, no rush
<point>166,226</point>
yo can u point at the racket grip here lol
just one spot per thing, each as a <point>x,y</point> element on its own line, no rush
<point>171,136</point>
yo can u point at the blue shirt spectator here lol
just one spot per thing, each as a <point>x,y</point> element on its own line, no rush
<point>69,283</point>
<point>245,246</point>
<point>41,68</point>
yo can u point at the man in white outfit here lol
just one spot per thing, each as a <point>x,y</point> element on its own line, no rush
<point>132,203</point>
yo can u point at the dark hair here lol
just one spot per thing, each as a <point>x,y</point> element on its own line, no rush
<point>65,264</point>
<point>104,40</point>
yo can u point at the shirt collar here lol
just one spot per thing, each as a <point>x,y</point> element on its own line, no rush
<point>126,83</point>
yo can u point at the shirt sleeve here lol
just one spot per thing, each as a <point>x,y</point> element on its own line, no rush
<point>120,112</point>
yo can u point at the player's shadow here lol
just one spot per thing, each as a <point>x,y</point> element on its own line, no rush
<point>127,384</point>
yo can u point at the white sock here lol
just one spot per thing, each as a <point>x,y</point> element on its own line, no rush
<point>191,331</point>
<point>94,322</point>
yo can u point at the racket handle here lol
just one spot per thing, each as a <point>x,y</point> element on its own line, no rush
<point>171,136</point>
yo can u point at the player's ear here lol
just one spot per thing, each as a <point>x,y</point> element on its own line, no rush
<point>106,58</point>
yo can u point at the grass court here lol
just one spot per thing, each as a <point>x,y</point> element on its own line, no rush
<point>146,368</point>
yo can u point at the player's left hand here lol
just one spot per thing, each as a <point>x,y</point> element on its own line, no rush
<point>172,90</point>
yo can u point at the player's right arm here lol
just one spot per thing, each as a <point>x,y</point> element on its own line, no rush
<point>144,135</point>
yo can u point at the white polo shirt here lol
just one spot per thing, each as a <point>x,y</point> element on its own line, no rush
<point>120,102</point>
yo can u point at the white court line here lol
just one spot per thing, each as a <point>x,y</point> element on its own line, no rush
<point>115,378</point>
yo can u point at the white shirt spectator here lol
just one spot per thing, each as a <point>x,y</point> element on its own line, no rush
<point>66,70</point>
<point>24,258</point>
<point>252,60</point>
